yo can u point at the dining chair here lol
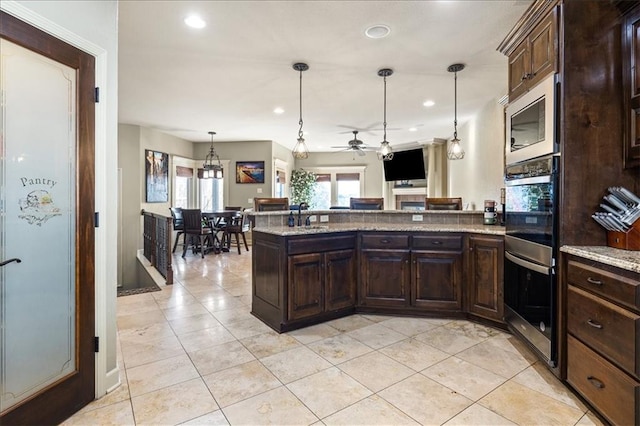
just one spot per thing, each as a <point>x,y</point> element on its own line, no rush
<point>454,203</point>
<point>366,203</point>
<point>178,225</point>
<point>194,230</point>
<point>237,226</point>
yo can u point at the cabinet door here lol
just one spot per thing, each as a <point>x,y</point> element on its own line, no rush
<point>306,294</point>
<point>631,84</point>
<point>384,278</point>
<point>542,50</point>
<point>485,281</point>
<point>436,280</point>
<point>340,279</point>
<point>518,71</point>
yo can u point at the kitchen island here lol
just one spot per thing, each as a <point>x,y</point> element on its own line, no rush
<point>428,263</point>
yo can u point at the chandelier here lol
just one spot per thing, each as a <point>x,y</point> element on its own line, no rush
<point>300,150</point>
<point>212,166</point>
<point>385,153</point>
<point>455,151</point>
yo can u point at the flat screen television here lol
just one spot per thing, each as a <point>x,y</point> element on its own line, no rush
<point>405,165</point>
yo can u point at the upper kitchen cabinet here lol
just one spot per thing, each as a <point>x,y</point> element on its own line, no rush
<point>532,48</point>
<point>631,86</point>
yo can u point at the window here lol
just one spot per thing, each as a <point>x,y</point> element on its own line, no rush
<point>182,187</point>
<point>211,194</point>
<point>280,188</point>
<point>336,185</point>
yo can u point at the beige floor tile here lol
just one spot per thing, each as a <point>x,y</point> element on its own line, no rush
<point>233,315</point>
<point>414,354</point>
<point>376,318</point>
<point>202,339</point>
<point>219,357</point>
<point>447,340</point>
<point>159,330</point>
<point>376,371</point>
<point>313,333</point>
<point>193,323</point>
<point>241,382</point>
<point>408,326</point>
<point>140,319</point>
<point>174,404</point>
<point>119,413</point>
<point>590,419</point>
<point>376,336</point>
<point>490,357</point>
<point>222,303</point>
<point>339,348</point>
<point>275,407</point>
<point>425,400</point>
<point>295,364</point>
<point>183,311</point>
<point>539,378</point>
<point>463,377</point>
<point>119,394</point>
<point>328,391</point>
<point>473,330</point>
<point>126,309</point>
<point>269,343</point>
<point>480,416</point>
<point>240,289</point>
<point>160,374</point>
<point>350,323</point>
<point>138,353</point>
<point>215,418</point>
<point>370,411</point>
<point>247,328</point>
<point>525,406</point>
<point>175,300</point>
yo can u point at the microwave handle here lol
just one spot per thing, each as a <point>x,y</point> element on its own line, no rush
<point>526,264</point>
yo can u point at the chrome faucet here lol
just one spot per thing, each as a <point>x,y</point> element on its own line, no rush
<point>300,207</point>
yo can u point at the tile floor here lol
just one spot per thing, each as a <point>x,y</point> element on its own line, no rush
<point>193,354</point>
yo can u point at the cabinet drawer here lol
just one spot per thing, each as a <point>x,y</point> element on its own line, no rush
<point>620,289</point>
<point>385,241</point>
<point>608,328</point>
<point>437,242</point>
<point>614,394</point>
<point>317,244</point>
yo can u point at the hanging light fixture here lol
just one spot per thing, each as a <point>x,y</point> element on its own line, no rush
<point>385,153</point>
<point>300,151</point>
<point>212,167</point>
<point>455,151</point>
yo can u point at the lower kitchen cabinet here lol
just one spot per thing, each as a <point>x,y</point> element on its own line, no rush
<point>436,281</point>
<point>384,278</point>
<point>485,277</point>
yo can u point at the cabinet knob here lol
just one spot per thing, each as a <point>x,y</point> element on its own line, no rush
<point>594,281</point>
<point>436,243</point>
<point>595,382</point>
<point>384,241</point>
<point>594,324</point>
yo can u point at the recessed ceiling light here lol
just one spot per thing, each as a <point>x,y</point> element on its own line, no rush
<point>278,110</point>
<point>194,21</point>
<point>429,103</point>
<point>377,31</point>
<point>413,129</point>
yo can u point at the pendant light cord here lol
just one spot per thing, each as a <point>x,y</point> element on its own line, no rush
<point>300,133</point>
<point>384,122</point>
<point>455,105</point>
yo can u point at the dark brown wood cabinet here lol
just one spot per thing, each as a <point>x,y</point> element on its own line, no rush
<point>631,87</point>
<point>534,58</point>
<point>603,337</point>
<point>485,277</point>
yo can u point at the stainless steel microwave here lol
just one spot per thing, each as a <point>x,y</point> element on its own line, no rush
<point>531,123</point>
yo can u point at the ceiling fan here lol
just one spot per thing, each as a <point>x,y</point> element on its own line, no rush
<point>355,145</point>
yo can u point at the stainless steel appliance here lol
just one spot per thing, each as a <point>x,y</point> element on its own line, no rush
<point>530,251</point>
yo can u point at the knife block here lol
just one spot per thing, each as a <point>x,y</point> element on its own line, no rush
<point>629,240</point>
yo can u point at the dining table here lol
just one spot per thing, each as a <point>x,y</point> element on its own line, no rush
<point>216,221</point>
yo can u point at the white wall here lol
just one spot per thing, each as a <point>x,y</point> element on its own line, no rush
<point>480,174</point>
<point>92,27</point>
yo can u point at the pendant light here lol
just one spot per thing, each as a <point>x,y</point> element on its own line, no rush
<point>300,150</point>
<point>455,151</point>
<point>212,166</point>
<point>385,153</point>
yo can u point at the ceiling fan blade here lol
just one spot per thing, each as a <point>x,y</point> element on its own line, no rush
<point>361,152</point>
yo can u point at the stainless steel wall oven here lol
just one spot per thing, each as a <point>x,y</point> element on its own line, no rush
<point>531,222</point>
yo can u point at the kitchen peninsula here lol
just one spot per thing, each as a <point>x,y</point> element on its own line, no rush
<point>428,263</point>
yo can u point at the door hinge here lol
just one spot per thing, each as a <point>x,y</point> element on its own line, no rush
<point>96,344</point>
<point>96,219</point>
<point>96,95</point>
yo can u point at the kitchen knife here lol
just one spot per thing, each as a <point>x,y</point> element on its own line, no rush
<point>630,195</point>
<point>610,209</point>
<point>613,200</point>
<point>602,222</point>
<point>622,196</point>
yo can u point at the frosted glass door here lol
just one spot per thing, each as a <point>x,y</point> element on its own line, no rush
<point>37,223</point>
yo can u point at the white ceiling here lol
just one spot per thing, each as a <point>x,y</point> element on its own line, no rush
<point>229,76</point>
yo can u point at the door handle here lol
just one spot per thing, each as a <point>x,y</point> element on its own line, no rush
<point>6,262</point>
<point>593,323</point>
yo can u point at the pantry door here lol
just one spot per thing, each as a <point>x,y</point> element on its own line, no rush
<point>47,358</point>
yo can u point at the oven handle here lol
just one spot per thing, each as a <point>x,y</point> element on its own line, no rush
<point>526,264</point>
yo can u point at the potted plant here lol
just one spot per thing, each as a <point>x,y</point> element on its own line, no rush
<point>303,185</point>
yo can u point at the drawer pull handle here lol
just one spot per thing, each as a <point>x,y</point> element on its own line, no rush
<point>385,241</point>
<point>595,382</point>
<point>592,281</point>
<point>594,324</point>
<point>436,243</point>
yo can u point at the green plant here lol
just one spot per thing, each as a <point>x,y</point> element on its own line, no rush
<point>303,186</point>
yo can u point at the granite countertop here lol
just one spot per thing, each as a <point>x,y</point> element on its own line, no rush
<point>362,226</point>
<point>624,259</point>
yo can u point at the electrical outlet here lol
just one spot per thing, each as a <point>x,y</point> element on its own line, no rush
<point>259,190</point>
<point>416,218</point>
<point>324,218</point>
<point>250,201</point>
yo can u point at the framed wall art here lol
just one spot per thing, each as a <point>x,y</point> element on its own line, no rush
<point>249,171</point>
<point>156,168</point>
